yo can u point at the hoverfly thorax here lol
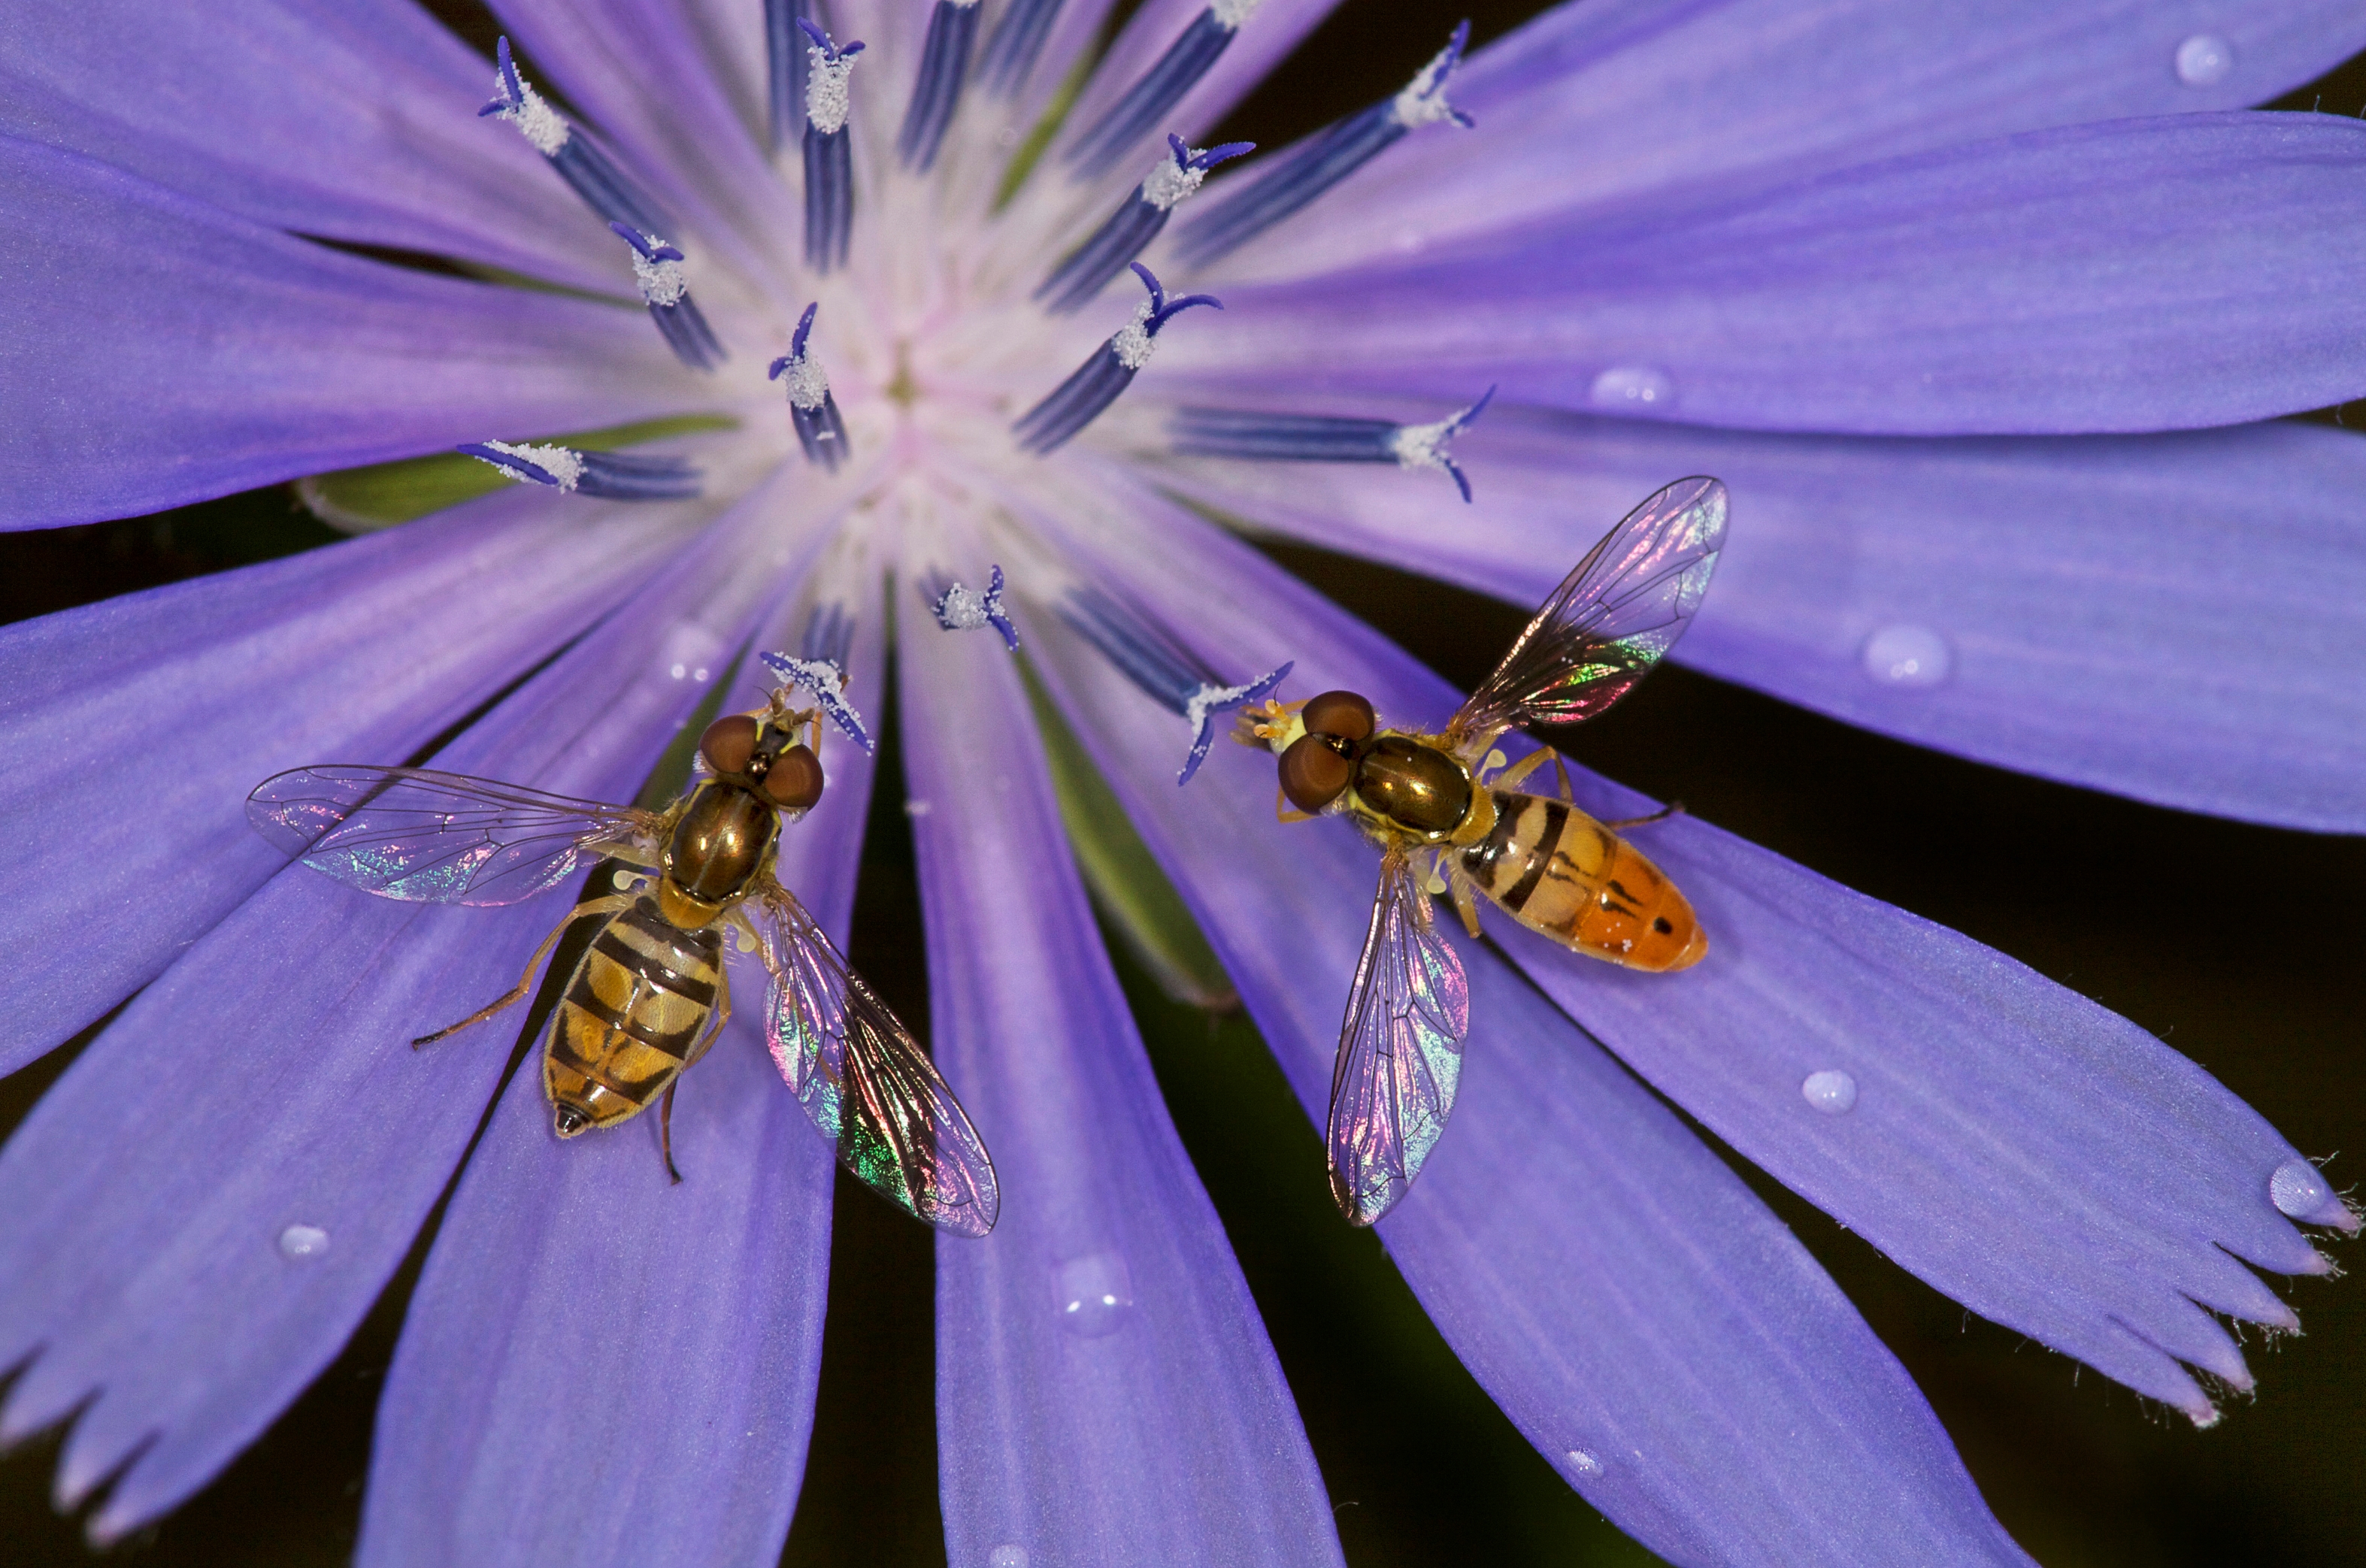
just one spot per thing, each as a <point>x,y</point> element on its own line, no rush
<point>727,827</point>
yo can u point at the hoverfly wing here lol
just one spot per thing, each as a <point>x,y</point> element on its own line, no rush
<point>407,832</point>
<point>1400,1051</point>
<point>1610,620</point>
<point>865,1080</point>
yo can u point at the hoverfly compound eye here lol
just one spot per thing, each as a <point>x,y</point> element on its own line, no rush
<point>1341,714</point>
<point>1314,771</point>
<point>729,743</point>
<point>794,782</point>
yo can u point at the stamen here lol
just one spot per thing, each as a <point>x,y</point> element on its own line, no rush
<point>657,267</point>
<point>936,93</point>
<point>1326,438</point>
<point>1096,383</point>
<point>1134,226</point>
<point>1176,72</point>
<point>1329,156</point>
<point>613,475</point>
<point>825,678</point>
<point>1174,677</point>
<point>785,61</point>
<point>1018,40</point>
<point>964,610</point>
<point>830,160</point>
<point>829,633</point>
<point>582,166</point>
<point>820,431</point>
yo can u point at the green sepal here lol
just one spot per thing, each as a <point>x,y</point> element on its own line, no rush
<point>1128,889</point>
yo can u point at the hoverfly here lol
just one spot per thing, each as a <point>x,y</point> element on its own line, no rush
<point>1539,858</point>
<point>651,993</point>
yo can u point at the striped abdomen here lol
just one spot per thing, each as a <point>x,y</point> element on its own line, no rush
<point>633,1009</point>
<point>1557,871</point>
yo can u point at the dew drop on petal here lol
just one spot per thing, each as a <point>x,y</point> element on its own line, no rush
<point>1007,1556</point>
<point>1831,1091</point>
<point>2203,59</point>
<point>1633,387</point>
<point>301,1241</point>
<point>2298,1189</point>
<point>1906,654</point>
<point>1095,1294</point>
<point>1584,1463</point>
<point>691,652</point>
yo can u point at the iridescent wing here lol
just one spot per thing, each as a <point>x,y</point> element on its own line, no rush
<point>407,832</point>
<point>863,1078</point>
<point>1610,620</point>
<point>1399,1050</point>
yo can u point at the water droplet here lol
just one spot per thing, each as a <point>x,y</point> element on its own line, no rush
<point>1906,655</point>
<point>1632,387</point>
<point>1831,1091</point>
<point>1584,1463</point>
<point>1095,1294</point>
<point>916,808</point>
<point>1007,1556</point>
<point>2203,59</point>
<point>2299,1190</point>
<point>300,1241</point>
<point>691,652</point>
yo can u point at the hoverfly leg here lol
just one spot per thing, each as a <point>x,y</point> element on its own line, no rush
<point>1510,778</point>
<point>1464,904</point>
<point>713,1032</point>
<point>1673,809</point>
<point>1284,812</point>
<point>517,994</point>
<point>665,1131</point>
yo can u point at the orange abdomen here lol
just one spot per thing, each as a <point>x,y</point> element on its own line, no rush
<point>631,1017</point>
<point>1557,871</point>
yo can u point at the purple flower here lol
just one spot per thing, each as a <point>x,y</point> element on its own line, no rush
<point>1793,248</point>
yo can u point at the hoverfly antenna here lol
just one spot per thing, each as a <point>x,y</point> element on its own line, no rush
<point>827,681</point>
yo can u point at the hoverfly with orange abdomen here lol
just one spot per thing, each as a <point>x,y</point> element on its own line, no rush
<point>1447,797</point>
<point>651,993</point>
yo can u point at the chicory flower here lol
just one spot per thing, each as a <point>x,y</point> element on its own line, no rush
<point>1797,250</point>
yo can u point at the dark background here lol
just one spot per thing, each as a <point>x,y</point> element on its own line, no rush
<point>1421,1465</point>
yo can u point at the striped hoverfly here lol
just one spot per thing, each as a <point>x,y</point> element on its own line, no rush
<point>1448,800</point>
<point>651,993</point>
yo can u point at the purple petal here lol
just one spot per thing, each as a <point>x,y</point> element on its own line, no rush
<point>1646,1323</point>
<point>135,308</point>
<point>265,1083</point>
<point>2176,618</point>
<point>1274,27</point>
<point>660,87</point>
<point>2140,275</point>
<point>1601,103</point>
<point>363,651</point>
<point>577,1305</point>
<point>354,119</point>
<point>1103,1381</point>
<point>2047,1163</point>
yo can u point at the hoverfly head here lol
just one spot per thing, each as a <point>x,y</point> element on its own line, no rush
<point>766,757</point>
<point>1317,767</point>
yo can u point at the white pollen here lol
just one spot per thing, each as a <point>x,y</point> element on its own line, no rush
<point>662,281</point>
<point>1134,345</point>
<point>1170,183</point>
<point>962,609</point>
<point>539,123</point>
<point>1422,103</point>
<point>826,94</point>
<point>1423,446</point>
<point>561,464</point>
<point>808,384</point>
<point>1231,14</point>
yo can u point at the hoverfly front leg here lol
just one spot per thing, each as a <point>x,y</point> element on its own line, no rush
<point>517,994</point>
